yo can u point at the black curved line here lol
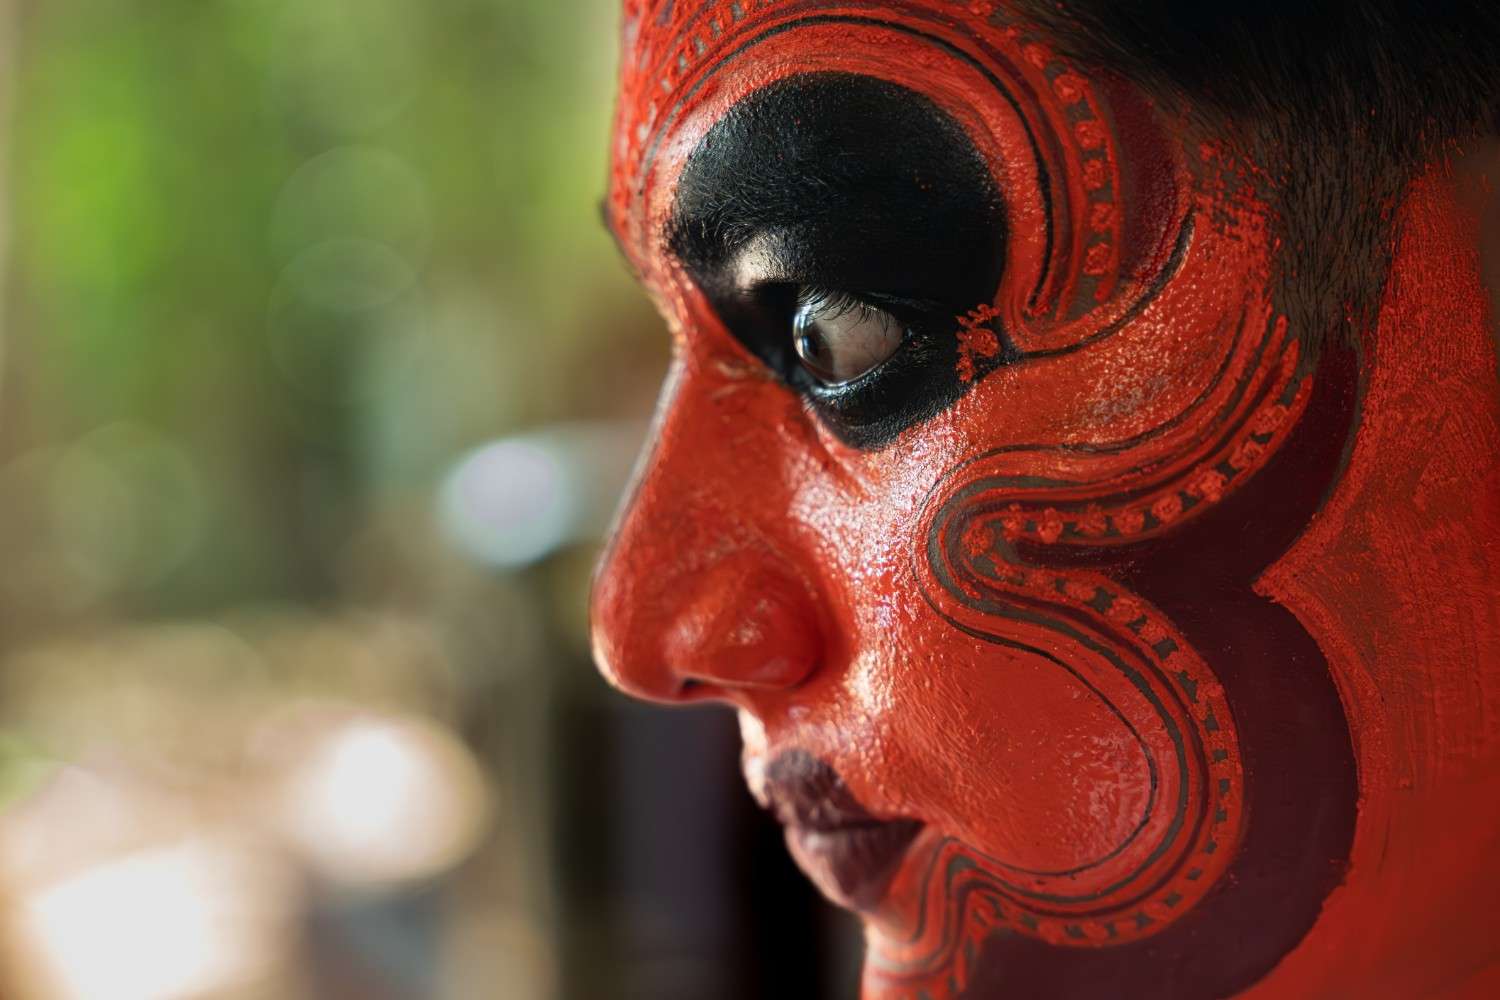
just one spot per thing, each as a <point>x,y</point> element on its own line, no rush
<point>982,882</point>
<point>1224,436</point>
<point>1109,448</point>
<point>1132,675</point>
<point>1151,764</point>
<point>1179,818</point>
<point>1166,274</point>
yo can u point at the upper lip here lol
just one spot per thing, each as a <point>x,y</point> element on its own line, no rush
<point>805,792</point>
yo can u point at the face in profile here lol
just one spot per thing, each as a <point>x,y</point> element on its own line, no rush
<point>991,405</point>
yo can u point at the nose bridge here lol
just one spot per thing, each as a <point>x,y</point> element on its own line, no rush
<point>698,594</point>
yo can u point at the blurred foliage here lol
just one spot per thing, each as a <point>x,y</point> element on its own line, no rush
<point>276,262</point>
<point>276,269</point>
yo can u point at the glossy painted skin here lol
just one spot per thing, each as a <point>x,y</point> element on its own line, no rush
<point>1057,622</point>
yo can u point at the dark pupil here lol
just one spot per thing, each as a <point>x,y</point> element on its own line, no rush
<point>812,345</point>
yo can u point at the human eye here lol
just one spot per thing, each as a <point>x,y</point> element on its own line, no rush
<point>839,339</point>
<point>840,226</point>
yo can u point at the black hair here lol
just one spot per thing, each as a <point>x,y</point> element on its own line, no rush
<point>1338,103</point>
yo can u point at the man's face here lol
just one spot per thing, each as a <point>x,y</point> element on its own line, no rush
<point>970,348</point>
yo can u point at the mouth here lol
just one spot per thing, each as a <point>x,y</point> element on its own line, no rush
<point>848,853</point>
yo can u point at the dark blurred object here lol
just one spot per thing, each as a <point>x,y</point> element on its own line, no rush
<point>695,895</point>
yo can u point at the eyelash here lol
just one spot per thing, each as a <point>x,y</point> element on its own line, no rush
<point>833,303</point>
<point>918,316</point>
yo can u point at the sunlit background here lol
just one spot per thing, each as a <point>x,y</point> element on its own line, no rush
<point>319,380</point>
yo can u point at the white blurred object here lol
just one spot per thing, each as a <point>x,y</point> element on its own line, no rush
<point>177,921</point>
<point>375,800</point>
<point>114,888</point>
<point>127,883</point>
<point>513,501</point>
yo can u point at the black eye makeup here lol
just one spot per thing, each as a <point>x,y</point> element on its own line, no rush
<point>840,224</point>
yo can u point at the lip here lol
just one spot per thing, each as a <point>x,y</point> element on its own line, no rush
<point>848,853</point>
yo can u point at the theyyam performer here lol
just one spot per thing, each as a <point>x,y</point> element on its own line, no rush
<point>1080,468</point>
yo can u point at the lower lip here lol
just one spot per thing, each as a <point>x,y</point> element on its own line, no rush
<point>852,865</point>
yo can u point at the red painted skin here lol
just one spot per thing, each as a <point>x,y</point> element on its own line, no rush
<point>963,646</point>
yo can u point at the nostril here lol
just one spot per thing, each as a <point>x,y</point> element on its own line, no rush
<point>744,627</point>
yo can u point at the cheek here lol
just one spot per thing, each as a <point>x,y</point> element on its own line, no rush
<point>1001,748</point>
<point>1147,375</point>
<point>1007,750</point>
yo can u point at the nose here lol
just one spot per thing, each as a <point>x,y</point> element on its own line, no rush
<point>699,594</point>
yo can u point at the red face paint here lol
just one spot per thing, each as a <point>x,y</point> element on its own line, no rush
<point>1042,685</point>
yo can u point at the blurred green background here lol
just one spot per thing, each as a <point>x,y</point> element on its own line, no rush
<point>274,267</point>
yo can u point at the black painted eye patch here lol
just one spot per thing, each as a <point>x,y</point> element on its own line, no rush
<point>856,185</point>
